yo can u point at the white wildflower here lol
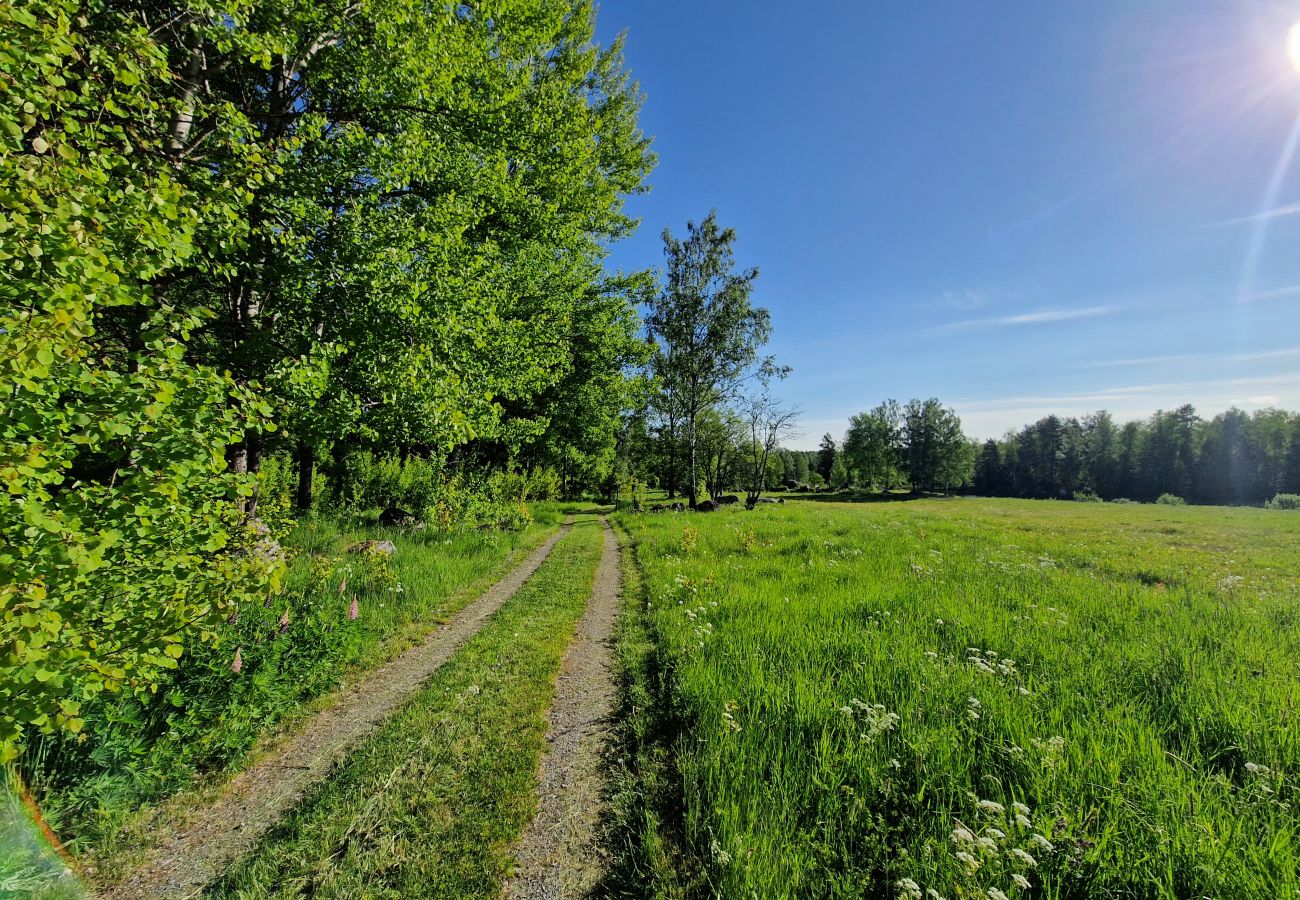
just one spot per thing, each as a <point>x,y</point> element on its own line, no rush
<point>1021,881</point>
<point>992,806</point>
<point>987,844</point>
<point>995,894</point>
<point>1041,843</point>
<point>962,835</point>
<point>1023,856</point>
<point>1023,821</point>
<point>968,861</point>
<point>995,834</point>
<point>908,888</point>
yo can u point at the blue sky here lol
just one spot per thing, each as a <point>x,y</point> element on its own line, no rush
<point>1017,207</point>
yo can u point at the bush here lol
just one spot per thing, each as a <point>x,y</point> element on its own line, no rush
<point>1171,500</point>
<point>1284,501</point>
<point>1086,497</point>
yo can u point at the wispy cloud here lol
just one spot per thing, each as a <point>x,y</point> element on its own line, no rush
<point>1274,294</point>
<point>1188,357</point>
<point>1276,212</point>
<point>1037,317</point>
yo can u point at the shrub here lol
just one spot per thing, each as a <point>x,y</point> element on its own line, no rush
<point>1171,500</point>
<point>1284,501</point>
<point>1086,497</point>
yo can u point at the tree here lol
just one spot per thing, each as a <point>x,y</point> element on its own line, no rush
<point>706,331</point>
<point>767,423</point>
<point>722,435</point>
<point>1291,467</point>
<point>990,476</point>
<point>937,454</point>
<point>800,467</point>
<point>1101,452</point>
<point>120,536</point>
<point>826,454</point>
<point>873,445</point>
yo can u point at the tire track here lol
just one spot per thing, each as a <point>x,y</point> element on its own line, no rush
<point>254,800</point>
<point>560,854</point>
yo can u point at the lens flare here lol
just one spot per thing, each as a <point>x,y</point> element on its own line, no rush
<point>1293,45</point>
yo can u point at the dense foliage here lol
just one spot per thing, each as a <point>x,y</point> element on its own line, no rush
<point>234,235</point>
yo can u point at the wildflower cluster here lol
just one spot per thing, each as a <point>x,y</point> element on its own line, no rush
<point>873,718</point>
<point>988,662</point>
<point>995,854</point>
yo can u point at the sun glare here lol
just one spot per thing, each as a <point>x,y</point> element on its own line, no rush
<point>1293,45</point>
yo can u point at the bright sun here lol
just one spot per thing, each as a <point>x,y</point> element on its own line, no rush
<point>1293,45</point>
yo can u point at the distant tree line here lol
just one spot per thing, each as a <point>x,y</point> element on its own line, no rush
<point>1233,458</point>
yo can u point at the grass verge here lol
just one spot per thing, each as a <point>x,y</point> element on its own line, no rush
<point>103,792</point>
<point>431,804</point>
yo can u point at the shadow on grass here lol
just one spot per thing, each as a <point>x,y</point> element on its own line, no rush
<point>867,496</point>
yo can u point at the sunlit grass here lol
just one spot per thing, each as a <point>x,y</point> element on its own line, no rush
<point>865,693</point>
<point>430,806</point>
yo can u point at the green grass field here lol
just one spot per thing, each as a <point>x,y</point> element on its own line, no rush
<point>965,698</point>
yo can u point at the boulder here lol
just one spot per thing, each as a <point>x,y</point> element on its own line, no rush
<point>394,517</point>
<point>728,499</point>
<point>707,506</point>
<point>387,548</point>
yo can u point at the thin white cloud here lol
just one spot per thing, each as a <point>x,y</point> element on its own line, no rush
<point>1274,294</point>
<point>1186,357</point>
<point>1037,317</point>
<point>1277,212</point>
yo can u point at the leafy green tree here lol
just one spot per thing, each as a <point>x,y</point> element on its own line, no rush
<point>705,329</point>
<point>122,541</point>
<point>873,445</point>
<point>826,453</point>
<point>937,454</point>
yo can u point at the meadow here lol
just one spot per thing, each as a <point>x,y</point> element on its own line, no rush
<point>962,698</point>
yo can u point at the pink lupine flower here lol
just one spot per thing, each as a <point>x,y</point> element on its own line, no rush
<point>238,664</point>
<point>353,610</point>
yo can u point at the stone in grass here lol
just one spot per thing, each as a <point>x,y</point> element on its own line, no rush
<point>707,506</point>
<point>394,518</point>
<point>387,548</point>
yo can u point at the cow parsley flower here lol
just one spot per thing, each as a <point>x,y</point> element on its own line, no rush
<point>1023,856</point>
<point>908,889</point>
<point>1041,843</point>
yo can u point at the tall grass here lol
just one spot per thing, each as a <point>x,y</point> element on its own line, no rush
<point>430,805</point>
<point>971,697</point>
<point>300,645</point>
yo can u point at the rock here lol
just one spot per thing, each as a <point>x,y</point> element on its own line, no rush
<point>394,517</point>
<point>707,506</point>
<point>678,507</point>
<point>728,499</point>
<point>658,507</point>
<point>266,548</point>
<point>387,548</point>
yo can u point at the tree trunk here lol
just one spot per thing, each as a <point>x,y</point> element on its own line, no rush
<point>306,473</point>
